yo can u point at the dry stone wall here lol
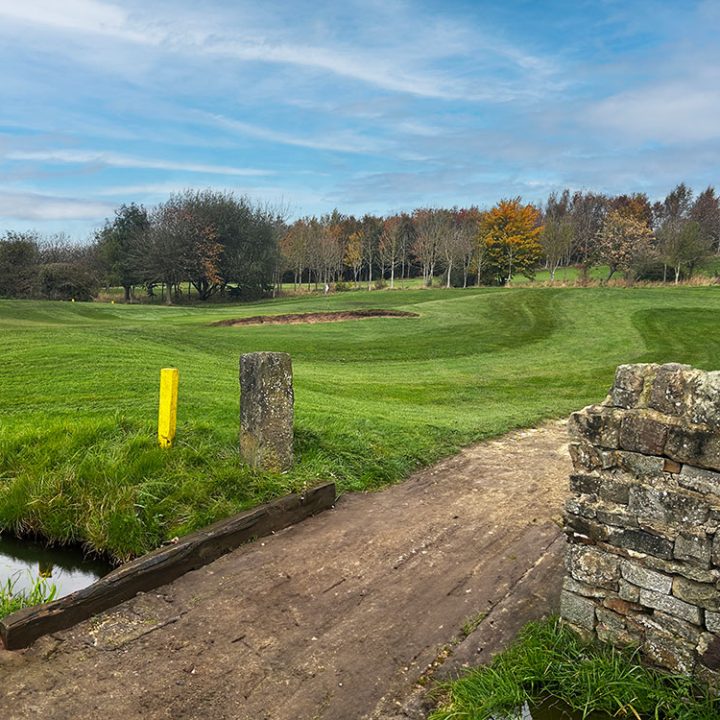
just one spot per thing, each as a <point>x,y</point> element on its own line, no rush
<point>643,519</point>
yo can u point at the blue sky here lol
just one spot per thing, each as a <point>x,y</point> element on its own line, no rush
<point>372,106</point>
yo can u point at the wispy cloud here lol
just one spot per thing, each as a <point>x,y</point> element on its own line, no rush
<point>110,159</point>
<point>82,16</point>
<point>293,196</point>
<point>144,190</point>
<point>415,127</point>
<point>346,142</point>
<point>406,65</point>
<point>357,66</point>
<point>30,207</point>
<point>668,113</point>
<point>367,104</point>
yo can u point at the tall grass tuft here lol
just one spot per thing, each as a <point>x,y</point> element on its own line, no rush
<point>550,661</point>
<point>11,599</point>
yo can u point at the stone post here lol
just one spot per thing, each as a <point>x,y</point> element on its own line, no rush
<point>266,410</point>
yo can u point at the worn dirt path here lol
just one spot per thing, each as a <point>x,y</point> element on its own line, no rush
<point>334,618</point>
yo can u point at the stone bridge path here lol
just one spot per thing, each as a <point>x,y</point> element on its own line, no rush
<point>336,618</point>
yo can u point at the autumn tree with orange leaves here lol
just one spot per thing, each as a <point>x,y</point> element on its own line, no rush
<point>511,235</point>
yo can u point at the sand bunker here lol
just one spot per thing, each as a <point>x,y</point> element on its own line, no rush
<point>315,317</point>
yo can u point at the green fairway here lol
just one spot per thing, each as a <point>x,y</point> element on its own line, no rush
<point>374,398</point>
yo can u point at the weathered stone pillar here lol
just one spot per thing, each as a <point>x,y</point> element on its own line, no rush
<point>643,518</point>
<point>266,410</point>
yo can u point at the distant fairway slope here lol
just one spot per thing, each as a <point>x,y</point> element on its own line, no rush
<point>374,398</point>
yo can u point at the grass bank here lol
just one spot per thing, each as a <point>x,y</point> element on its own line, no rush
<point>374,398</point>
<point>549,661</point>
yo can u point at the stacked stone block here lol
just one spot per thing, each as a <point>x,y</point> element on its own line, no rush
<point>643,520</point>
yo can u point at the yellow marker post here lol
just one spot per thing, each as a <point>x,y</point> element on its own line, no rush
<point>167,415</point>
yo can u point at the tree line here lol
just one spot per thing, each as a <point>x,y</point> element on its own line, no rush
<point>208,243</point>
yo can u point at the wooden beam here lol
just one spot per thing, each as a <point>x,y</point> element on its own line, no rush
<point>161,566</point>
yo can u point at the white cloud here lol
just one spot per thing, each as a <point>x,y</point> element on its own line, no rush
<point>415,127</point>
<point>348,142</point>
<point>297,199</point>
<point>673,112</point>
<point>175,87</point>
<point>400,63</point>
<point>373,70</point>
<point>84,16</point>
<point>32,207</point>
<point>110,159</point>
<point>142,189</point>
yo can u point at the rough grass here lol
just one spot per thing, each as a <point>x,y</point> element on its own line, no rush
<point>374,398</point>
<point>549,661</point>
<point>11,599</point>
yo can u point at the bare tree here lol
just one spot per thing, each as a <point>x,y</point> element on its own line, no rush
<point>407,235</point>
<point>293,246</point>
<point>466,224</point>
<point>457,244</point>
<point>389,247</point>
<point>431,225</point>
<point>331,246</point>
<point>370,231</point>
<point>557,234</point>
<point>706,212</point>
<point>588,214</point>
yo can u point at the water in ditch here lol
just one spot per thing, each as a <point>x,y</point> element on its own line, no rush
<point>22,561</point>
